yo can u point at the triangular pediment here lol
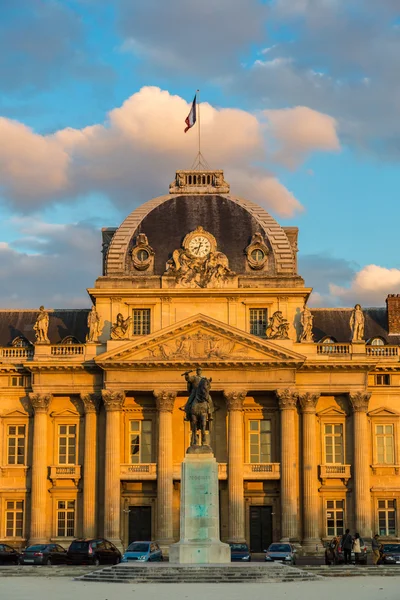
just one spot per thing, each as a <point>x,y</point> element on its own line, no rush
<point>331,411</point>
<point>383,411</point>
<point>200,339</point>
<point>15,414</point>
<point>67,412</point>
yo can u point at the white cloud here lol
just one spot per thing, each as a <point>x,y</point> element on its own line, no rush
<point>370,286</point>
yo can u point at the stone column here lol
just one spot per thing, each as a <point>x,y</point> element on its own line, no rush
<point>289,485</point>
<point>39,533</point>
<point>308,403</point>
<point>362,493</point>
<point>113,401</point>
<point>165,404</point>
<point>90,406</point>
<point>234,403</point>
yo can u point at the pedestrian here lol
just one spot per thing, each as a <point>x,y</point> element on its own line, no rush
<point>375,549</point>
<point>357,548</point>
<point>332,548</point>
<point>347,544</point>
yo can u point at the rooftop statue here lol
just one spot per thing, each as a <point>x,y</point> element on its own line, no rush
<point>357,322</point>
<point>93,322</point>
<point>307,325</point>
<point>199,406</point>
<point>41,327</point>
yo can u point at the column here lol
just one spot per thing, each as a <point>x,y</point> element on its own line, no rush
<point>289,485</point>
<point>362,503</point>
<point>308,403</point>
<point>113,401</point>
<point>39,533</point>
<point>234,403</point>
<point>90,406</point>
<point>165,404</point>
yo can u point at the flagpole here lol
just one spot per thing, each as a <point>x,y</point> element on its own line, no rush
<point>198,110</point>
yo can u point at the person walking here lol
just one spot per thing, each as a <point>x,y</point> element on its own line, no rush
<point>347,544</point>
<point>375,549</point>
<point>357,548</point>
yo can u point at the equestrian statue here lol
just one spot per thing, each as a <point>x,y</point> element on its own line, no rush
<point>199,407</point>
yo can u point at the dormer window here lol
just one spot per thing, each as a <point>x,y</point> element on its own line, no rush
<point>377,341</point>
<point>328,340</point>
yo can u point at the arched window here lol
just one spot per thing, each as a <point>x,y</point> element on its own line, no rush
<point>208,179</point>
<point>70,339</point>
<point>20,342</point>
<point>377,341</point>
<point>328,340</point>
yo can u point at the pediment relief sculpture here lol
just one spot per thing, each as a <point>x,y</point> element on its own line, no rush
<point>142,253</point>
<point>198,346</point>
<point>257,252</point>
<point>198,264</point>
<point>120,329</point>
<point>278,327</point>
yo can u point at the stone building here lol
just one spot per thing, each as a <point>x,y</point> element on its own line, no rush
<point>306,428</point>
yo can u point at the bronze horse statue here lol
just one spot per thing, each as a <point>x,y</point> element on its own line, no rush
<point>199,412</point>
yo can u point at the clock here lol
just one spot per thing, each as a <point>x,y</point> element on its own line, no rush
<point>199,246</point>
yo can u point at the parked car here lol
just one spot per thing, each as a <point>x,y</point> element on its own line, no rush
<point>282,552</point>
<point>143,551</point>
<point>240,552</point>
<point>390,554</point>
<point>8,555</point>
<point>93,551</point>
<point>43,554</point>
<point>337,557</point>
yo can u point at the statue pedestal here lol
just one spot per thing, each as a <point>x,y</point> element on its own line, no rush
<point>199,543</point>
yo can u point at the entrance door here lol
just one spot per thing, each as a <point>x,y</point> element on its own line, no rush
<point>260,528</point>
<point>139,523</point>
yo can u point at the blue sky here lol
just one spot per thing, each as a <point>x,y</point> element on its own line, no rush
<point>313,130</point>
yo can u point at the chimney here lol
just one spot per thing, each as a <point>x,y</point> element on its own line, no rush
<point>393,313</point>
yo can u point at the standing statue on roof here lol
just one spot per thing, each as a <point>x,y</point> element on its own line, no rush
<point>93,322</point>
<point>307,325</point>
<point>41,327</point>
<point>357,322</point>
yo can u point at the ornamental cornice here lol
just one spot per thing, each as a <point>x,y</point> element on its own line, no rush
<point>287,398</point>
<point>165,400</point>
<point>113,400</point>
<point>359,401</point>
<point>308,401</point>
<point>234,399</point>
<point>40,402</point>
<point>91,402</point>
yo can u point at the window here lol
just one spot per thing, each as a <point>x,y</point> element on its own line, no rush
<point>334,517</point>
<point>258,321</point>
<point>387,517</point>
<point>18,381</point>
<point>66,444</point>
<point>377,342</point>
<point>16,445</point>
<point>334,444</point>
<point>14,518</point>
<point>384,444</point>
<point>140,442</point>
<point>260,441</point>
<point>65,518</point>
<point>382,379</point>
<point>141,321</point>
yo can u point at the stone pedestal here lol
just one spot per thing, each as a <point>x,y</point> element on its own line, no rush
<point>199,526</point>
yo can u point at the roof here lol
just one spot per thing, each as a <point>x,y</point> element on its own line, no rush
<point>334,322</point>
<point>63,323</point>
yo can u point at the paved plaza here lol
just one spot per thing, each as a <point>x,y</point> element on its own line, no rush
<point>37,588</point>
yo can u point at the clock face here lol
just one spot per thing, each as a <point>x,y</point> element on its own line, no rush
<point>199,246</point>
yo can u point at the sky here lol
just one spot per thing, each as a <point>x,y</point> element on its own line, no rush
<point>300,104</point>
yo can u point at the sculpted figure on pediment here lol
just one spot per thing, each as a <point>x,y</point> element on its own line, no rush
<point>278,327</point>
<point>119,331</point>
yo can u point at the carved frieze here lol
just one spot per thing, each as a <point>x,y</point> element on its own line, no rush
<point>308,401</point>
<point>359,401</point>
<point>113,400</point>
<point>196,346</point>
<point>40,402</point>
<point>234,399</point>
<point>164,400</point>
<point>287,398</point>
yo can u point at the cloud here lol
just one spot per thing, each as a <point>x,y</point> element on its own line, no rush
<point>320,271</point>
<point>369,287</point>
<point>134,154</point>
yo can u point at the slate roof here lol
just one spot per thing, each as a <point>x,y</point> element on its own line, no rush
<point>334,322</point>
<point>63,323</point>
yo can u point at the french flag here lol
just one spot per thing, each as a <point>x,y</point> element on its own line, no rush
<point>191,118</point>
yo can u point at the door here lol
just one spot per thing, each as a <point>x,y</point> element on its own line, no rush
<point>139,524</point>
<point>260,528</point>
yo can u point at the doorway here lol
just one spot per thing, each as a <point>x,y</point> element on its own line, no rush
<point>260,528</point>
<point>139,524</point>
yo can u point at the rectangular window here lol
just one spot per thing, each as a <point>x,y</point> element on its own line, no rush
<point>334,517</point>
<point>334,444</point>
<point>140,442</point>
<point>66,444</point>
<point>16,444</point>
<point>65,518</point>
<point>141,321</point>
<point>384,444</point>
<point>258,321</point>
<point>387,517</point>
<point>382,379</point>
<point>260,441</point>
<point>14,518</point>
<point>18,381</point>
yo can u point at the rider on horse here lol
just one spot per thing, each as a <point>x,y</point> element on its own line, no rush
<point>192,385</point>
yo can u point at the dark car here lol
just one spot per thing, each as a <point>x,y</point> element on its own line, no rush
<point>8,555</point>
<point>43,554</point>
<point>240,552</point>
<point>390,554</point>
<point>281,552</point>
<point>143,552</point>
<point>96,551</point>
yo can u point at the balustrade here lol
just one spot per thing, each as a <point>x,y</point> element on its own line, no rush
<point>333,348</point>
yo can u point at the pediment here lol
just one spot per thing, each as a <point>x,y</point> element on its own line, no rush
<point>383,411</point>
<point>67,412</point>
<point>331,411</point>
<point>15,414</point>
<point>200,339</point>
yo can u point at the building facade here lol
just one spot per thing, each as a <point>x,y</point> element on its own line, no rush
<point>306,425</point>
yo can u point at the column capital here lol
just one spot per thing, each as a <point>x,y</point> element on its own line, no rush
<point>359,401</point>
<point>234,399</point>
<point>287,398</point>
<point>91,402</point>
<point>113,399</point>
<point>165,400</point>
<point>40,402</point>
<point>308,401</point>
